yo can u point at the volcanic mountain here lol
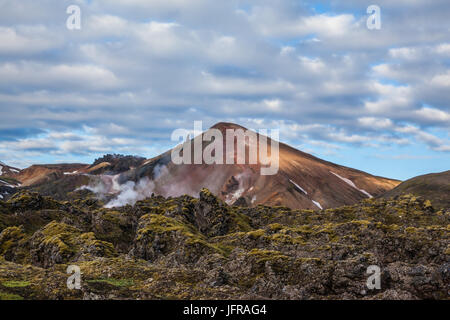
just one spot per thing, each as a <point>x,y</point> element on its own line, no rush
<point>302,181</point>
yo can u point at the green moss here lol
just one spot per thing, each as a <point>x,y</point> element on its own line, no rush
<point>16,284</point>
<point>256,234</point>
<point>280,238</point>
<point>67,241</point>
<point>112,216</point>
<point>102,248</point>
<point>275,227</point>
<point>361,222</point>
<point>62,236</point>
<point>308,260</point>
<point>9,296</point>
<point>10,238</point>
<point>31,200</point>
<point>159,224</point>
<point>303,229</point>
<point>114,282</point>
<point>224,249</point>
<point>248,282</point>
<point>411,230</point>
<point>387,228</point>
<point>299,240</point>
<point>242,221</point>
<point>118,268</point>
<point>267,255</point>
<point>185,260</point>
<point>169,230</point>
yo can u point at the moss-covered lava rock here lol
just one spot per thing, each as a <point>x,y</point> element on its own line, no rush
<point>201,248</point>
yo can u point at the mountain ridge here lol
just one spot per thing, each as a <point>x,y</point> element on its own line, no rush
<point>303,181</point>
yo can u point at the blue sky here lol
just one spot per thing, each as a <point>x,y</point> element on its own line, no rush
<point>375,100</point>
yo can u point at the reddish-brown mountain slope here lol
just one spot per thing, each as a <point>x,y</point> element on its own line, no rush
<point>303,181</point>
<point>39,174</point>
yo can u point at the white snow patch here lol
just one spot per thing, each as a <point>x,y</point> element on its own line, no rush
<point>253,199</point>
<point>317,204</point>
<point>7,184</point>
<point>1,196</point>
<point>366,193</point>
<point>298,187</point>
<point>71,173</point>
<point>14,170</point>
<point>147,162</point>
<point>350,183</point>
<point>1,172</point>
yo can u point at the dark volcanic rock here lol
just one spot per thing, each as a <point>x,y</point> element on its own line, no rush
<point>187,248</point>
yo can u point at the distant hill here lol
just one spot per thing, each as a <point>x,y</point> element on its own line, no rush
<point>114,164</point>
<point>46,173</point>
<point>8,180</point>
<point>8,171</point>
<point>434,187</point>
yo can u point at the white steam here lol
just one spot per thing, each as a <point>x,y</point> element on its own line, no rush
<point>132,192</point>
<point>105,186</point>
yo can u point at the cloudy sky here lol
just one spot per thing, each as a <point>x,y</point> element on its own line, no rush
<point>375,100</point>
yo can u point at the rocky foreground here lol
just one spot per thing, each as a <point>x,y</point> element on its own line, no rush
<point>187,248</point>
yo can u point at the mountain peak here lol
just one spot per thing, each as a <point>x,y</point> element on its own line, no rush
<point>227,125</point>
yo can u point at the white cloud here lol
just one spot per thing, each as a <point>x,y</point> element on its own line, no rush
<point>433,114</point>
<point>390,98</point>
<point>442,80</point>
<point>278,23</point>
<point>274,105</point>
<point>404,53</point>
<point>443,49</point>
<point>137,69</point>
<point>376,123</point>
<point>434,142</point>
<point>30,40</point>
<point>107,25</point>
<point>56,75</point>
